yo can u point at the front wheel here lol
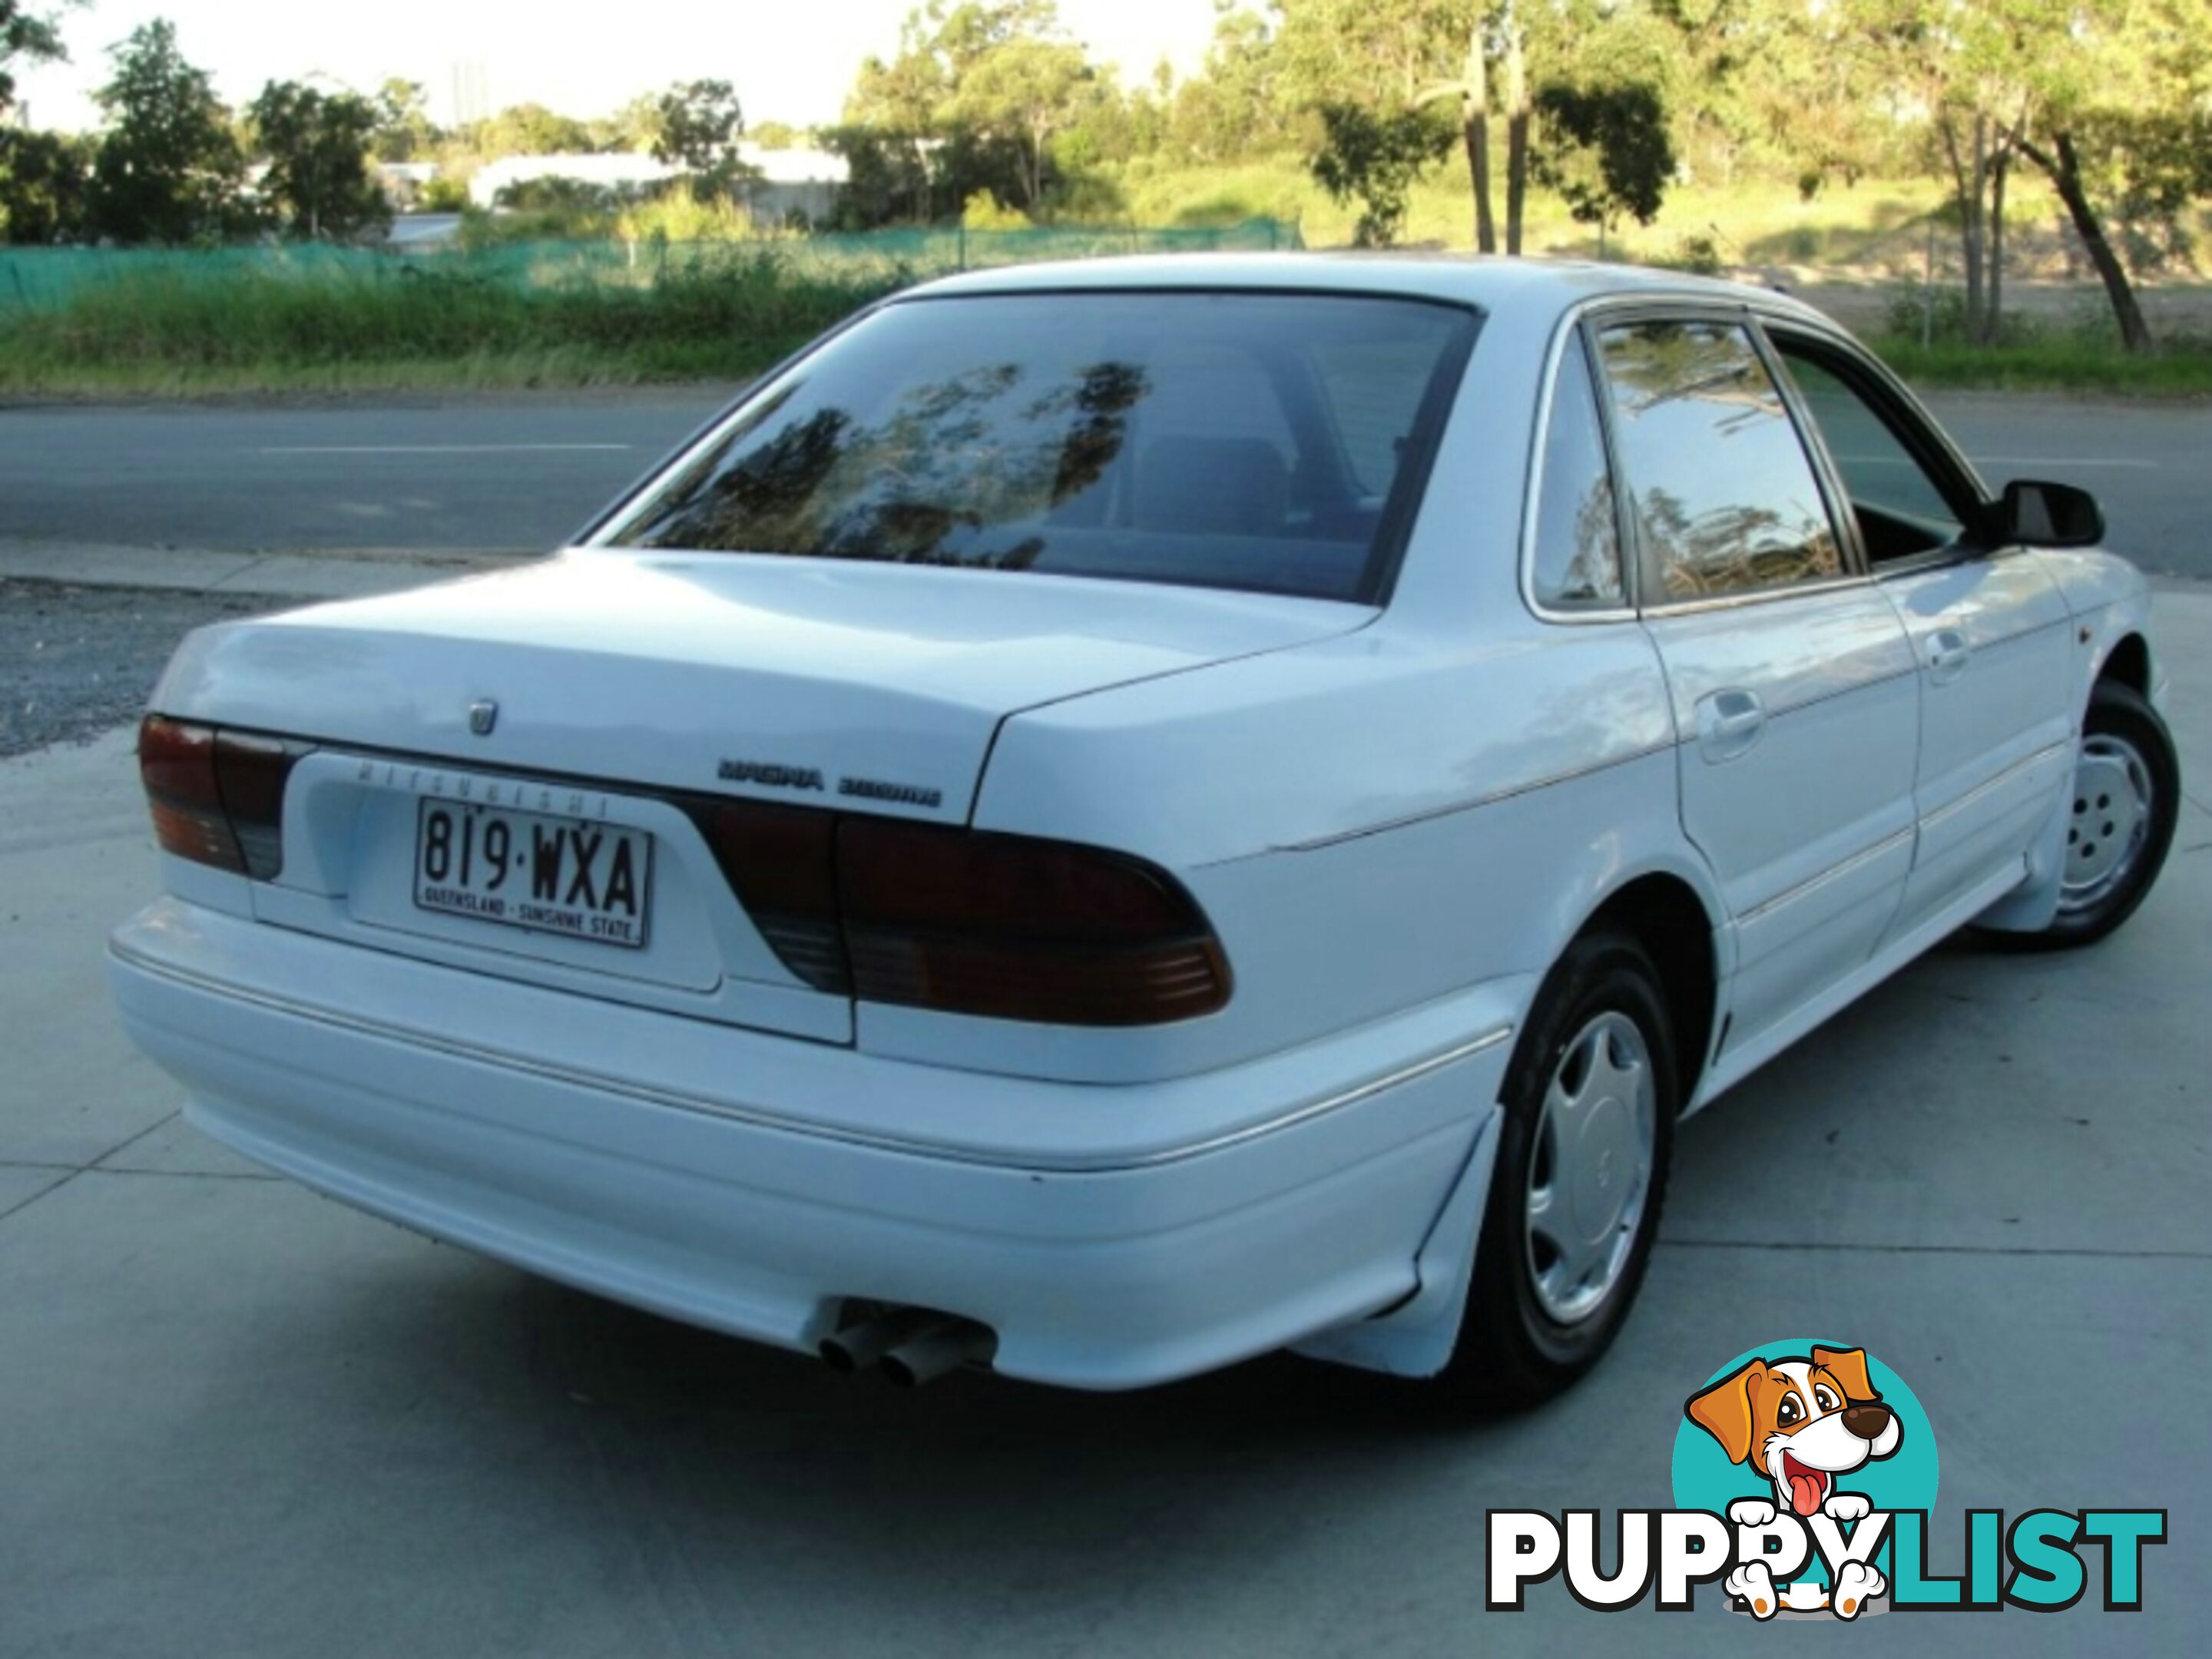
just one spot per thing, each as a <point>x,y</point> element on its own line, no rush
<point>1581,1172</point>
<point>2126,800</point>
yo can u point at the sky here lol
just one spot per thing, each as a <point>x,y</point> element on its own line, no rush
<point>790,60</point>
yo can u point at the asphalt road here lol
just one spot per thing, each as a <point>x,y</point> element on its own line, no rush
<point>506,472</point>
<point>519,472</point>
<point>237,1419</point>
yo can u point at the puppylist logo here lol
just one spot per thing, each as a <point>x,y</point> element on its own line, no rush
<point>1804,1474</point>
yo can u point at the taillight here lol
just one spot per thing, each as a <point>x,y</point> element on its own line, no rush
<point>1021,929</point>
<point>967,922</point>
<point>218,797</point>
<point>176,762</point>
<point>781,862</point>
<point>251,773</point>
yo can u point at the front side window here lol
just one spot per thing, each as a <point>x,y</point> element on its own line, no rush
<point>1902,510</point>
<point>1725,500</point>
<point>1237,441</point>
<point>1576,563</point>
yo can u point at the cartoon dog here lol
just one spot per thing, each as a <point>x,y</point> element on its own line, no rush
<point>1801,1423</point>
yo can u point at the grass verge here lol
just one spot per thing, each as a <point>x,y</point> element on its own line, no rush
<point>163,331</point>
<point>2060,363</point>
<point>178,332</point>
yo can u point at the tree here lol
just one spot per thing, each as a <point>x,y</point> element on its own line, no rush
<point>42,179</point>
<point>1494,57</point>
<point>974,101</point>
<point>2092,93</point>
<point>696,122</point>
<point>1392,54</point>
<point>317,146</point>
<point>1375,159</point>
<point>169,168</point>
<point>1237,107</point>
<point>1606,150</point>
<point>1024,89</point>
<point>891,127</point>
<point>1386,55</point>
<point>1587,103</point>
<point>42,173</point>
<point>1471,89</point>
<point>26,37</point>
<point>2131,111</point>
<point>404,130</point>
<point>531,130</point>
<point>887,177</point>
<point>1517,127</point>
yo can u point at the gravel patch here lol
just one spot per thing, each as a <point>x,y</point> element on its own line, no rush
<point>75,661</point>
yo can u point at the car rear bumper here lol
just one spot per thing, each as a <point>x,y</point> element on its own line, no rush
<point>1112,1236</point>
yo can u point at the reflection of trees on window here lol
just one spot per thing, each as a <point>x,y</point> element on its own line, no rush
<point>1101,401</point>
<point>1653,363</point>
<point>1159,437</point>
<point>952,460</point>
<point>1733,549</point>
<point>1594,571</point>
<point>1725,498</point>
<point>1578,534</point>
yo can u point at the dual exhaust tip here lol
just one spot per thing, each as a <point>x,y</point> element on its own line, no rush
<point>910,1345</point>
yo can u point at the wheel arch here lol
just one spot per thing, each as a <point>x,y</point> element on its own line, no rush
<point>1666,913</point>
<point>2128,663</point>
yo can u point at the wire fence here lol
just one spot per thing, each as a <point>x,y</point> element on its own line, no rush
<point>49,278</point>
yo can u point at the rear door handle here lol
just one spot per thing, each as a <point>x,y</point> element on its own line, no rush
<point>1947,652</point>
<point>1728,723</point>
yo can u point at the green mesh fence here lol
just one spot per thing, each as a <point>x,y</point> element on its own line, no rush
<point>45,278</point>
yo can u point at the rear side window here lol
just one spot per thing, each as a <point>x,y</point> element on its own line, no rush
<point>1266,441</point>
<point>1724,496</point>
<point>1577,561</point>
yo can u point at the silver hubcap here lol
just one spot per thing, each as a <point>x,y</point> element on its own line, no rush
<point>1589,1167</point>
<point>2110,822</point>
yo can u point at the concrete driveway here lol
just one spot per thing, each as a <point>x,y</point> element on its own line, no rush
<point>236,1420</point>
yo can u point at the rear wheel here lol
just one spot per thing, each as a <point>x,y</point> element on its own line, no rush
<point>1581,1172</point>
<point>2121,816</point>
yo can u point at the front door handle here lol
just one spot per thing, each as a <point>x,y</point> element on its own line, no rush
<point>1947,652</point>
<point>1728,723</point>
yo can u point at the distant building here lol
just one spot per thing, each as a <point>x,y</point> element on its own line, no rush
<point>616,174</point>
<point>785,181</point>
<point>807,181</point>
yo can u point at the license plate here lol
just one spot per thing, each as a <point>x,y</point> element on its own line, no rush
<point>552,875</point>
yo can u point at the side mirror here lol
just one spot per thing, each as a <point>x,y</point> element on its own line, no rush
<point>2038,514</point>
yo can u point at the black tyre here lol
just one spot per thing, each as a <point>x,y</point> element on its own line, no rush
<point>2126,800</point>
<point>1581,1174</point>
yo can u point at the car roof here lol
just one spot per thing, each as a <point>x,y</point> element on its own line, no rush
<point>1529,288</point>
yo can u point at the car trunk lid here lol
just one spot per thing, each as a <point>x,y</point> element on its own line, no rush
<point>624,678</point>
<point>780,679</point>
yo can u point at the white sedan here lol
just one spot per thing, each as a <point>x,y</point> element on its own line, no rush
<point>1108,819</point>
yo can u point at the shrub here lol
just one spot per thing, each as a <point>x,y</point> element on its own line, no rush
<point>983,211</point>
<point>1907,316</point>
<point>444,194</point>
<point>1698,255</point>
<point>682,215</point>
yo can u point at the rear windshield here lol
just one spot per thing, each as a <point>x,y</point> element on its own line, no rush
<point>1264,441</point>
